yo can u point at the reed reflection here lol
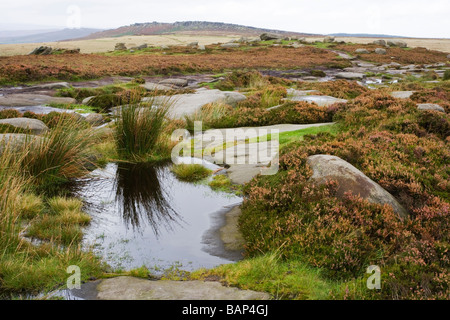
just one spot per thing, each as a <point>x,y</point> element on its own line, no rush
<point>140,196</point>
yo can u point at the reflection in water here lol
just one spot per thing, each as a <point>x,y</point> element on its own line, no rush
<point>139,195</point>
<point>143,215</point>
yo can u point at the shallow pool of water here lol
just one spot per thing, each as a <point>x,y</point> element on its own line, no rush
<point>143,215</point>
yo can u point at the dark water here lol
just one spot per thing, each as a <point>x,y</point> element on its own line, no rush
<point>142,215</point>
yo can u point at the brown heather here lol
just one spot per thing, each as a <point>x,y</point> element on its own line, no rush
<point>387,140</point>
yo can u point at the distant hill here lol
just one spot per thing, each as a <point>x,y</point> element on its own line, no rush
<point>187,27</point>
<point>364,35</point>
<point>11,37</point>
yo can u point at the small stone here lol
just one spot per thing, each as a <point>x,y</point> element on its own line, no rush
<point>350,75</point>
<point>362,51</point>
<point>120,46</point>
<point>380,51</point>
<point>95,119</point>
<point>397,43</point>
<point>402,94</point>
<point>270,36</point>
<point>430,107</point>
<point>175,82</point>
<point>380,42</point>
<point>35,126</point>
<point>230,45</point>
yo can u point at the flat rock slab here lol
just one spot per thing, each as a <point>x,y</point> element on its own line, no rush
<point>430,107</point>
<point>186,104</point>
<point>230,234</point>
<point>34,125</point>
<point>39,109</point>
<point>155,87</point>
<point>350,179</point>
<point>301,93</point>
<point>29,99</point>
<point>175,82</point>
<point>128,288</point>
<point>321,101</point>
<point>243,173</point>
<point>52,86</point>
<point>402,94</point>
<point>349,75</point>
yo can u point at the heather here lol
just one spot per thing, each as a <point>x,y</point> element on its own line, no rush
<point>397,146</point>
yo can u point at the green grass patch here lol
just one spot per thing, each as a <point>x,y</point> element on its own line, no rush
<point>191,172</point>
<point>80,108</point>
<point>292,136</point>
<point>289,279</point>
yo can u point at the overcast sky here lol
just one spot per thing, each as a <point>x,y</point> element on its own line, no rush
<point>416,18</point>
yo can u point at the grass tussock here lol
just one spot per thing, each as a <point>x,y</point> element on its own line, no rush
<point>26,166</point>
<point>211,115</point>
<point>191,172</point>
<point>139,131</point>
<point>59,155</point>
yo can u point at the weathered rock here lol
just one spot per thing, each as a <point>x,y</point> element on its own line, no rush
<point>175,82</point>
<point>296,45</point>
<point>128,288</point>
<point>230,45</point>
<point>230,234</point>
<point>42,50</point>
<point>448,56</point>
<point>380,51</point>
<point>402,94</point>
<point>430,107</point>
<point>350,179</point>
<point>362,51</point>
<point>350,75</point>
<point>34,125</point>
<point>155,87</point>
<point>67,51</point>
<point>30,99</point>
<point>142,46</point>
<point>51,86</point>
<point>380,42</point>
<point>255,39</point>
<point>120,46</point>
<point>86,100</point>
<point>328,39</point>
<point>185,104</point>
<point>300,93</point>
<point>397,43</point>
<point>193,44</point>
<point>201,48</point>
<point>321,101</point>
<point>95,119</point>
<point>270,36</point>
<point>16,141</point>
